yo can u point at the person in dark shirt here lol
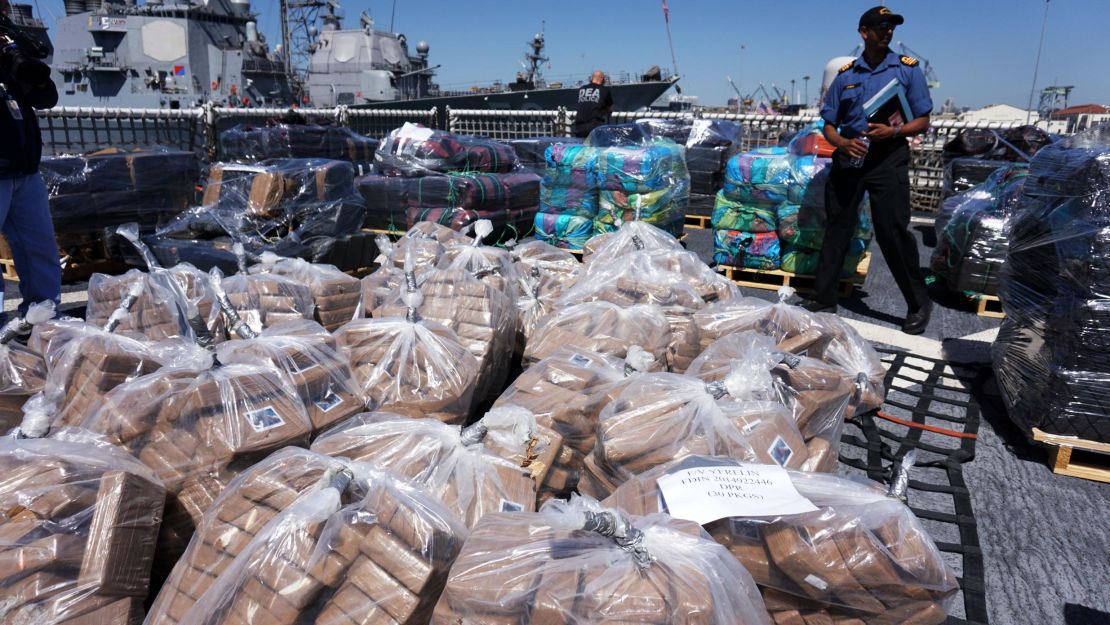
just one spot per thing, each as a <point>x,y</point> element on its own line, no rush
<point>595,103</point>
<point>24,211</point>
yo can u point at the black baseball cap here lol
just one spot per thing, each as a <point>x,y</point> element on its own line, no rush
<point>878,15</point>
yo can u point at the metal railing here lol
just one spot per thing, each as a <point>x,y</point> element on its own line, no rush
<point>68,130</point>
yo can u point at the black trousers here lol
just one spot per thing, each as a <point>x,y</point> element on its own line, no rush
<point>885,176</point>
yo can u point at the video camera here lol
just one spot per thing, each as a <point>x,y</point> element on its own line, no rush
<point>21,56</point>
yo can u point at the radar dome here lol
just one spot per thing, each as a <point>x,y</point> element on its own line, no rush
<point>422,47</point>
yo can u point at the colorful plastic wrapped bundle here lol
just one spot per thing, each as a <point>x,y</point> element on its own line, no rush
<point>532,150</point>
<point>566,392</point>
<point>306,538</point>
<point>461,467</point>
<point>801,222</point>
<point>730,215</point>
<point>861,556</point>
<point>605,328</point>
<point>569,232</point>
<point>636,167</point>
<point>386,200</point>
<point>971,248</point>
<point>769,168</point>
<point>817,395</point>
<point>1050,356</point>
<point>80,525</point>
<point>248,143</point>
<point>664,209</point>
<point>413,150</point>
<point>571,181</point>
<point>751,250</point>
<point>576,562</point>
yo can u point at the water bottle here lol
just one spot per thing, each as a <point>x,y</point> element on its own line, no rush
<point>858,160</point>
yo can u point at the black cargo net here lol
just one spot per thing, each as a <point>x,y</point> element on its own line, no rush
<point>928,408</point>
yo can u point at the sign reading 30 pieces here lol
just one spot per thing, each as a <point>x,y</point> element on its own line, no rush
<point>704,494</point>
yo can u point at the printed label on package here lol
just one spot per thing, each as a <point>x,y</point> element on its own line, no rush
<point>580,360</point>
<point>264,419</point>
<point>511,506</point>
<point>709,493</point>
<point>329,401</point>
<point>780,451</point>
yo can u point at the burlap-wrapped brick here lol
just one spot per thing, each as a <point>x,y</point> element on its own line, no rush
<point>659,417</point>
<point>313,362</point>
<point>860,557</point>
<point>263,300</point>
<point>79,531</point>
<point>482,316</point>
<point>416,368</point>
<point>605,328</point>
<point>335,295</point>
<point>452,465</point>
<point>816,394</point>
<point>566,392</point>
<point>577,563</point>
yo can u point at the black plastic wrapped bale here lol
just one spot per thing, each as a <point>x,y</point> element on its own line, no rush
<point>976,152</point>
<point>971,248</point>
<point>246,143</point>
<point>292,207</point>
<point>1051,352</point>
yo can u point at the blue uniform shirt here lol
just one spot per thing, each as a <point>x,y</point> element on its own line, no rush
<point>843,106</point>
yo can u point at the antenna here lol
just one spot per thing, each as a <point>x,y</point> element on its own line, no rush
<point>1037,64</point>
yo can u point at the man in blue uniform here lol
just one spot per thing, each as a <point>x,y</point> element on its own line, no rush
<point>884,172</point>
<point>25,85</point>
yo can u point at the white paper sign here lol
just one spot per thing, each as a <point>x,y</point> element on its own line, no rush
<point>707,494</point>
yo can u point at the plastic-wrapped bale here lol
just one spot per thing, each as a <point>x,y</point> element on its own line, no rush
<point>413,150</point>
<point>291,207</point>
<point>22,370</point>
<point>546,272</point>
<point>860,557</point>
<point>971,248</point>
<point>575,562</point>
<point>154,314</point>
<point>564,231</point>
<point>415,367</point>
<point>311,357</point>
<point>658,417</point>
<point>801,228</point>
<point>458,466</point>
<point>1050,355</point>
<point>568,196</point>
<point>759,177</point>
<point>709,143</point>
<point>265,299</point>
<point>491,265</point>
<point>750,250</point>
<point>730,215</point>
<point>249,143</point>
<point>386,201</point>
<point>817,395</point>
<point>975,153</point>
<point>632,236</point>
<point>532,150</point>
<point>605,328</point>
<point>80,524</point>
<point>303,538</point>
<point>823,336</point>
<point>647,182</point>
<point>566,392</point>
<point>335,295</point>
<point>483,318</point>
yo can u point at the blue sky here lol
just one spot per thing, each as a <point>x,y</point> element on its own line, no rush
<point>981,50</point>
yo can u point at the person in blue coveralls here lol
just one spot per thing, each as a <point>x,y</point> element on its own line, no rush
<point>873,158</point>
<point>25,86</point>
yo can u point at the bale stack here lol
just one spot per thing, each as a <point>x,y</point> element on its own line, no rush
<point>81,521</point>
<point>709,144</point>
<point>454,465</point>
<point>532,151</point>
<point>302,536</point>
<point>801,228</point>
<point>247,143</point>
<point>335,295</point>
<point>577,563</point>
<point>861,557</point>
<point>568,196</point>
<point>647,182</point>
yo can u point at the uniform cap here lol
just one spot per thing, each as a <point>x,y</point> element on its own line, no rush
<point>877,15</point>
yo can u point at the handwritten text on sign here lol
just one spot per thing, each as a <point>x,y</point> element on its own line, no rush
<point>706,494</point>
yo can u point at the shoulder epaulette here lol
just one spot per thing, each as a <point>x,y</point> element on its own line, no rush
<point>909,60</point>
<point>848,67</point>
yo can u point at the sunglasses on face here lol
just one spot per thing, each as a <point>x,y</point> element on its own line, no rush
<point>882,27</point>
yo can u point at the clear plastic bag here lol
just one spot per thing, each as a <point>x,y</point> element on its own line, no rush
<point>861,557</point>
<point>265,299</point>
<point>247,143</point>
<point>566,392</point>
<point>451,463</point>
<point>311,357</point>
<point>22,370</point>
<point>604,328</point>
<point>631,236</point>
<point>795,329</point>
<point>413,150</point>
<point>305,538</point>
<point>817,395</point>
<point>79,528</point>
<point>154,315</point>
<point>658,417</point>
<point>575,562</point>
<point>493,266</point>
<point>335,295</point>
<point>545,273</point>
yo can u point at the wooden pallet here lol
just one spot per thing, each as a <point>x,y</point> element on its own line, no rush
<point>71,272</point>
<point>772,280</point>
<point>1076,457</point>
<point>988,306</point>
<point>699,222</point>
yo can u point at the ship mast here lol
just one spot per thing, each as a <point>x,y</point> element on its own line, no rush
<point>536,58</point>
<point>298,35</point>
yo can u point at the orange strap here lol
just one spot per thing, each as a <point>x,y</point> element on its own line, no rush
<point>922,426</point>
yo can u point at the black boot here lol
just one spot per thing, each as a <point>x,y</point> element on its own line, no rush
<point>815,306</point>
<point>917,321</point>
